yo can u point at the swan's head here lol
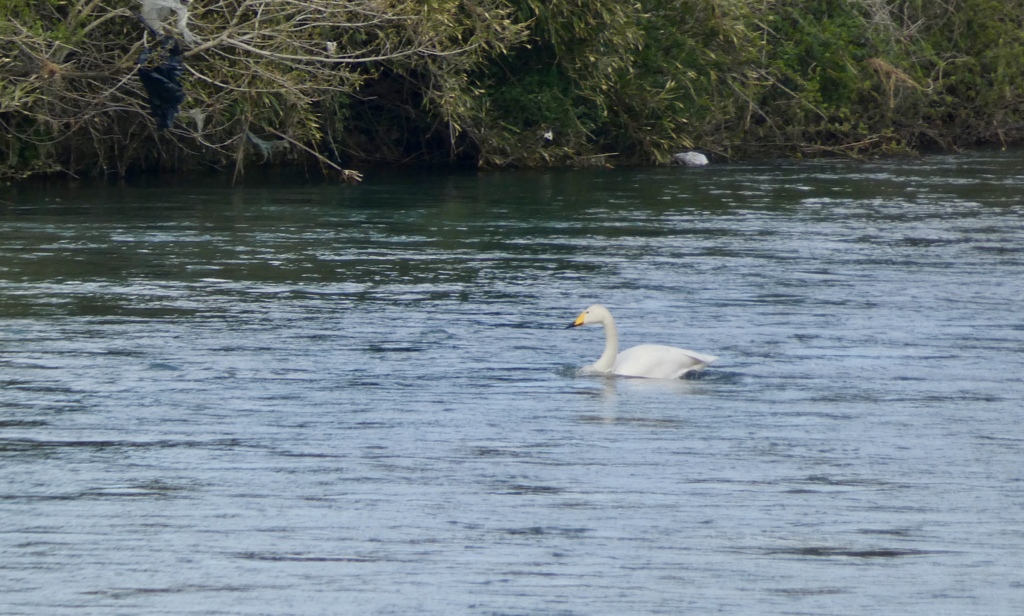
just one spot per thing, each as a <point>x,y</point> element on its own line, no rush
<point>594,314</point>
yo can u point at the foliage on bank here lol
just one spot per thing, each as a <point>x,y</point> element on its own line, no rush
<point>507,82</point>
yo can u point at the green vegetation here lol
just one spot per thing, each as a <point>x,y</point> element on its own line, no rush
<point>508,82</point>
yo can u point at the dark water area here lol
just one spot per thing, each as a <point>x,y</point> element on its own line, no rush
<point>302,398</point>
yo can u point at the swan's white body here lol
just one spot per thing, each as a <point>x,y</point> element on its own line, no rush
<point>651,361</point>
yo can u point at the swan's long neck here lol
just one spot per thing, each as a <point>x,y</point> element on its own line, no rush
<point>611,345</point>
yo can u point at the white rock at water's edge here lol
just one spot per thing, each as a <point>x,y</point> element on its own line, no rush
<point>690,159</point>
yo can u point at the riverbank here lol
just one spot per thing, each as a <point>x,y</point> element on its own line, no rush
<point>335,87</point>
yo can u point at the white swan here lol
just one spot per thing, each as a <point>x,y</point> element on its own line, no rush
<point>652,361</point>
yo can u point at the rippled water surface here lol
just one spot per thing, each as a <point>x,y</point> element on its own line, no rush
<point>295,398</point>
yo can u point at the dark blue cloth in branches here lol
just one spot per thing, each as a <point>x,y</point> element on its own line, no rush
<point>160,69</point>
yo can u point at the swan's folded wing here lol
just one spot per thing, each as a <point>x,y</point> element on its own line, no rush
<point>655,361</point>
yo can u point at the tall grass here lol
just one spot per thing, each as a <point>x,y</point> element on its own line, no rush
<point>509,82</point>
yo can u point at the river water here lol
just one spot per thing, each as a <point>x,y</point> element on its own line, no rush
<point>299,398</point>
